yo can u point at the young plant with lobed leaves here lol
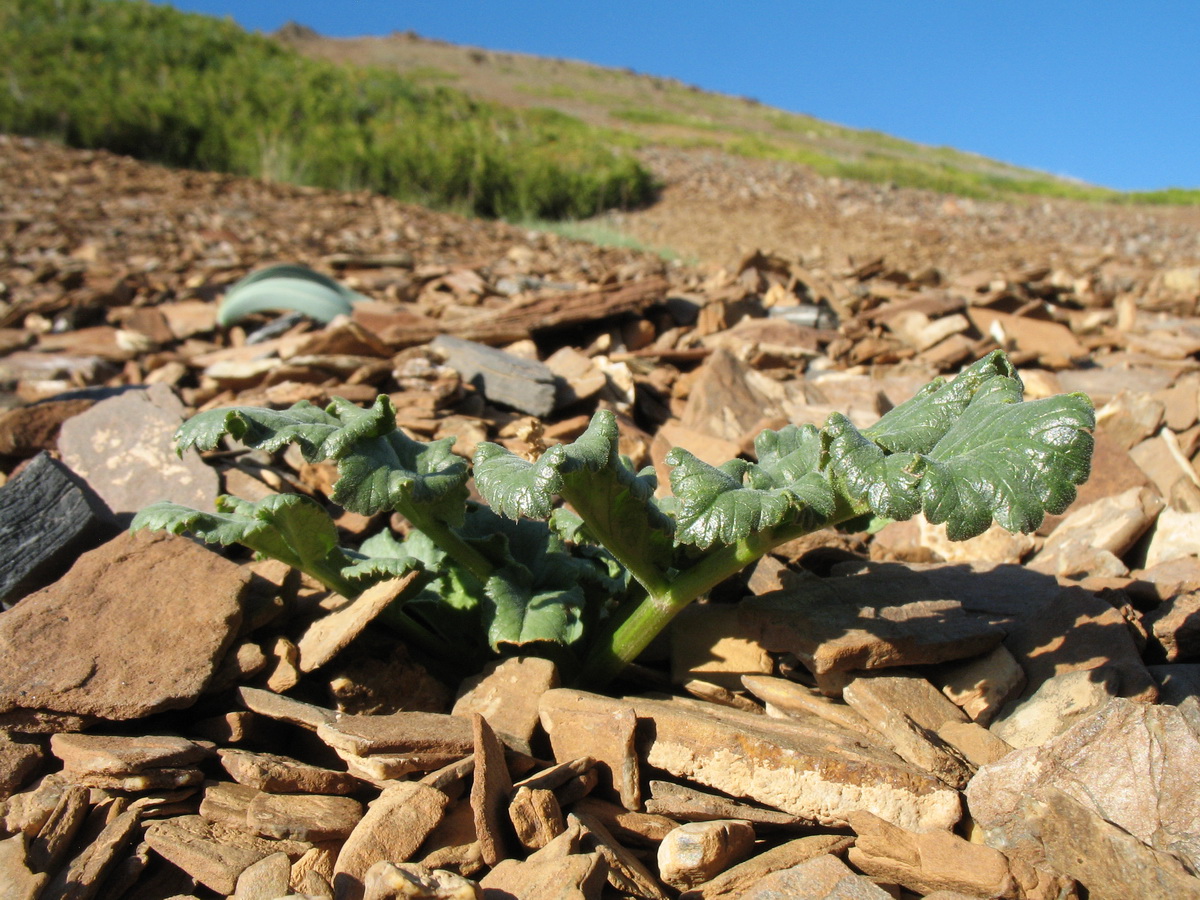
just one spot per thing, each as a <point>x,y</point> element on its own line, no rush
<point>573,556</point>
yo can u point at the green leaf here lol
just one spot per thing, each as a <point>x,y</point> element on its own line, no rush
<point>917,424</point>
<point>1008,460</point>
<point>286,286</point>
<point>525,615</point>
<point>996,458</point>
<point>379,467</point>
<point>615,503</point>
<point>726,504</point>
<point>291,528</point>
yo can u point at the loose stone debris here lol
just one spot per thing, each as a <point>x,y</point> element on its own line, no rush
<point>886,715</point>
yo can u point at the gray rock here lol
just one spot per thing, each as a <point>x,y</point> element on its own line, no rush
<point>124,448</point>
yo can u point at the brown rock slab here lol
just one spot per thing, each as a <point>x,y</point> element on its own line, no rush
<point>212,854</point>
<point>1092,538</point>
<point>54,838</point>
<point>26,430</point>
<point>303,817</point>
<point>736,881</point>
<point>489,791</point>
<point>788,698</point>
<point>20,757</point>
<point>930,861</point>
<point>582,724</point>
<point>1131,763</point>
<point>329,635</point>
<point>837,625</point>
<point>104,639</point>
<point>266,879</point>
<point>88,871</point>
<point>1176,534</point>
<point>697,852</point>
<point>402,732</point>
<point>908,711</point>
<point>394,827</point>
<point>1060,702</point>
<point>1111,863</point>
<point>687,804</point>
<point>810,769</point>
<point>716,643</point>
<point>536,817</point>
<point>118,755</point>
<point>124,448</point>
<point>639,828</point>
<point>227,803</point>
<point>22,882</point>
<point>981,686</point>
<point>974,743</point>
<point>579,876</point>
<point>283,775</point>
<point>286,709</point>
<point>626,872</point>
<point>820,878</point>
<point>507,692</point>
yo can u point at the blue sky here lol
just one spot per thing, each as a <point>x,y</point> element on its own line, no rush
<point>1104,91</point>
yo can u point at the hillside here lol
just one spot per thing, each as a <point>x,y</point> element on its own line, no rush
<point>651,110</point>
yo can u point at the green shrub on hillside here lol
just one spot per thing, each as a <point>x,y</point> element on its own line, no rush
<point>188,90</point>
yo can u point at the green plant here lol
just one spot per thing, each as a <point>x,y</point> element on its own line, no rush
<point>574,557</point>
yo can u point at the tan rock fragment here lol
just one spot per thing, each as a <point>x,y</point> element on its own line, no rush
<point>282,775</point>
<point>1130,418</point>
<point>677,801</point>
<point>285,673</point>
<point>489,791</point>
<point>285,709</point>
<point>626,872</point>
<point>1054,707</point>
<point>536,817</point>
<point>506,693</point>
<point>908,711</point>
<point>20,757</point>
<point>116,755</point>
<point>453,844</point>
<point>974,742</point>
<point>715,644</point>
<point>1176,534</point>
<point>1168,468</point>
<point>402,732</point>
<point>331,634</point>
<point>736,881</point>
<point>50,847</point>
<point>810,769</point>
<point>714,693</point>
<point>580,876</point>
<point>29,810</point>
<point>981,686</point>
<point>639,828</point>
<point>409,881</point>
<point>267,879</point>
<point>227,803</point>
<point>303,817</point>
<point>698,851</point>
<point>21,882</point>
<point>1109,526</point>
<point>394,827</point>
<point>797,700</point>
<point>212,854</point>
<point>936,860</point>
<point>820,878</point>
<point>1131,763</point>
<point>555,776</point>
<point>315,868</point>
<point>582,724</point>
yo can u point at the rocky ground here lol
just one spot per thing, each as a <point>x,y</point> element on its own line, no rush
<point>1013,716</point>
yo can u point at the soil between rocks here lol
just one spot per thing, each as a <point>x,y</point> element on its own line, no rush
<point>110,272</point>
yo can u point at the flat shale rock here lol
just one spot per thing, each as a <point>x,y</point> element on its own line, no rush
<point>928,861</point>
<point>697,852</point>
<point>282,775</point>
<point>20,757</point>
<point>124,448</point>
<point>117,755</point>
<point>331,634</point>
<point>583,724</point>
<point>506,693</point>
<point>1132,763</point>
<point>303,817</point>
<point>821,878</point>
<point>1059,703</point>
<point>839,624</point>
<point>736,881</point>
<point>48,516</point>
<point>811,769</point>
<point>104,639</point>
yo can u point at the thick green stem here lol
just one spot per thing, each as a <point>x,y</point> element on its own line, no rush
<point>629,635</point>
<point>448,542</point>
